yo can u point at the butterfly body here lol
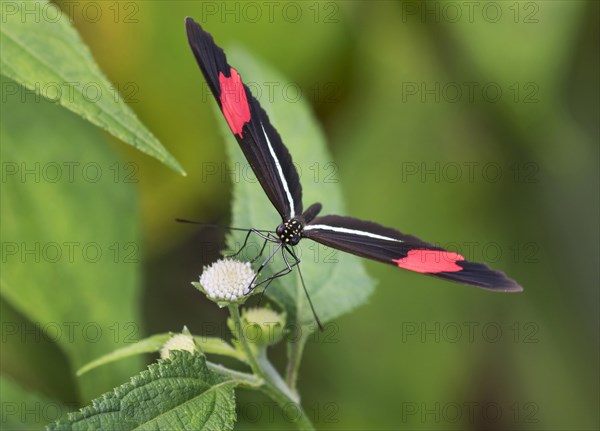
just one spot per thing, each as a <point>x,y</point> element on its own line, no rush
<point>292,231</point>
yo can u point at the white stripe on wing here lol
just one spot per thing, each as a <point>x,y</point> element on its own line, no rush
<point>280,172</point>
<point>351,231</point>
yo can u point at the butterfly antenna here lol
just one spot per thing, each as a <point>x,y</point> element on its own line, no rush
<point>312,307</point>
<point>181,220</point>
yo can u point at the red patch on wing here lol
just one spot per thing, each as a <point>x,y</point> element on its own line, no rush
<point>430,261</point>
<point>233,101</point>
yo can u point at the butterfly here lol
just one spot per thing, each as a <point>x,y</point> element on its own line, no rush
<point>272,164</point>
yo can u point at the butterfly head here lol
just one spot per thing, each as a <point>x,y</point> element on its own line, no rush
<point>290,232</point>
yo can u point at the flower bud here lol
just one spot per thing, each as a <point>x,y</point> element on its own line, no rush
<point>262,326</point>
<point>178,342</point>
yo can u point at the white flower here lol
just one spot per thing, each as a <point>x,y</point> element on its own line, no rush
<point>227,279</point>
<point>178,342</point>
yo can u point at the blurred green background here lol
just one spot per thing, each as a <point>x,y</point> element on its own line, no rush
<point>408,96</point>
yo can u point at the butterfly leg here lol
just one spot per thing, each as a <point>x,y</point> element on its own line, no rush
<point>267,238</point>
<point>260,253</point>
<point>312,307</point>
<point>242,247</point>
<point>281,273</point>
<point>261,267</point>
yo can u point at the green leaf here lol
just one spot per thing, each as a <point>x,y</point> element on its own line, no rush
<point>147,345</point>
<point>70,237</point>
<point>210,345</point>
<point>178,393</point>
<point>26,410</point>
<point>217,346</point>
<point>33,359</point>
<point>47,56</point>
<point>337,282</point>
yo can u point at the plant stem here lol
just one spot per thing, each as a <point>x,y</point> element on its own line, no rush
<point>273,385</point>
<point>295,350</point>
<point>274,376</point>
<point>245,379</point>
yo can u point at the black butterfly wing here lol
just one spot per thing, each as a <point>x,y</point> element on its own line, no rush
<point>258,139</point>
<point>373,241</point>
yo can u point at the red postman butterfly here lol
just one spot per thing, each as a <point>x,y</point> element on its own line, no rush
<point>272,165</point>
